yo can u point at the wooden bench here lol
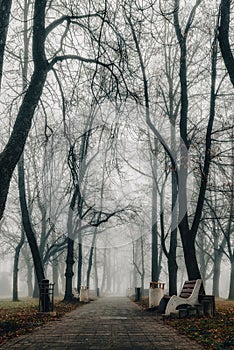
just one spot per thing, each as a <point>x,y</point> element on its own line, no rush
<point>188,296</point>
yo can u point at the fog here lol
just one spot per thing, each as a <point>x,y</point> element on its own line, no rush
<point>121,271</point>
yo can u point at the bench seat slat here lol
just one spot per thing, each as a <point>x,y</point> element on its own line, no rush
<point>188,285</point>
<point>192,281</point>
<point>185,295</point>
<point>187,290</point>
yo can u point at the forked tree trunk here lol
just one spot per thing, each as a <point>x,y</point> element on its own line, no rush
<point>15,145</point>
<point>188,235</point>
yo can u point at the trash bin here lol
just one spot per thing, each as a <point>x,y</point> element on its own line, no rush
<point>156,292</point>
<point>46,297</point>
<point>137,294</point>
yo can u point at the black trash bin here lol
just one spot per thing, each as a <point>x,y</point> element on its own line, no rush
<point>46,297</point>
<point>137,294</point>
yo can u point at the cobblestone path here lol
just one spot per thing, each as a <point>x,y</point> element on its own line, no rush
<point>107,323</point>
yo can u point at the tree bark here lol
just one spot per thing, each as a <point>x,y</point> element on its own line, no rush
<point>90,262</point>
<point>69,270</point>
<point>29,265</point>
<point>216,273</point>
<point>231,288</point>
<point>62,277</point>
<point>172,254</point>
<point>35,293</point>
<point>29,279</point>
<point>172,271</point>
<point>15,296</point>
<point>70,249</point>
<point>15,145</point>
<point>223,38</point>
<point>96,272</point>
<point>103,285</point>
<point>142,267</point>
<point>155,263</point>
<point>5,11</point>
<point>55,272</point>
<point>27,224</point>
<point>80,263</point>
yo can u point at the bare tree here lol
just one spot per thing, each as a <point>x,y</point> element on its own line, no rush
<point>42,65</point>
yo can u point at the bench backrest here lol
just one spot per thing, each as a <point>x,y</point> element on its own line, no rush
<point>188,288</point>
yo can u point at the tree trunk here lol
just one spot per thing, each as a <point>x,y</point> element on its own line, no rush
<point>216,273</point>
<point>172,271</point>
<point>29,278</point>
<point>155,266</point>
<point>80,263</point>
<point>55,272</point>
<point>223,38</point>
<point>69,270</point>
<point>96,272</point>
<point>103,285</point>
<point>27,224</point>
<point>62,277</point>
<point>188,236</point>
<point>142,267</point>
<point>190,257</point>
<point>188,240</point>
<point>231,287</point>
<point>15,296</point>
<point>36,287</point>
<point>90,262</point>
<point>108,272</point>
<point>70,249</point>
<point>5,10</point>
<point>15,145</point>
<point>172,262</point>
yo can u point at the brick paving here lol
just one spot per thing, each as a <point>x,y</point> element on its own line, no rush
<point>107,323</point>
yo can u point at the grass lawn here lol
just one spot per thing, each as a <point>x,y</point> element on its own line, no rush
<point>212,333</point>
<point>17,318</point>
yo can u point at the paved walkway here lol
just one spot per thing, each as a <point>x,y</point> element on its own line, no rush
<point>107,323</point>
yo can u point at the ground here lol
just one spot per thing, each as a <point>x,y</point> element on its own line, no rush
<point>213,333</point>
<point>17,318</point>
